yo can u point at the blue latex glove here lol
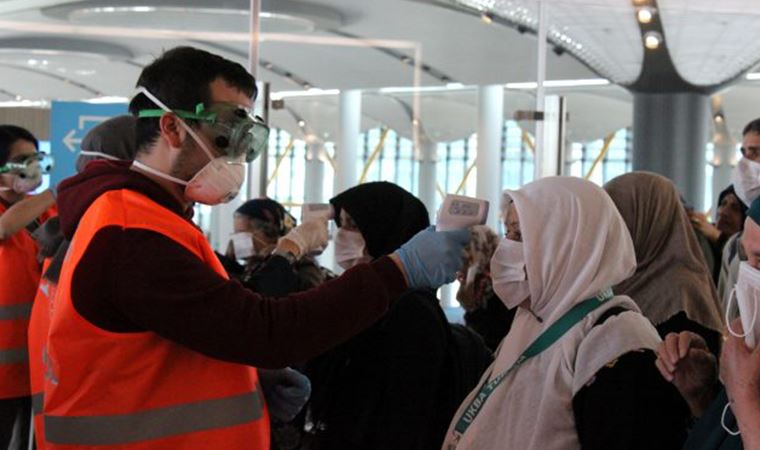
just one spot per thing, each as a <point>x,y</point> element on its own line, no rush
<point>286,391</point>
<point>432,258</point>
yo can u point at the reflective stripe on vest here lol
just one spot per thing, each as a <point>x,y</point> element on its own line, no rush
<point>37,401</point>
<point>154,424</point>
<point>14,355</point>
<point>11,312</point>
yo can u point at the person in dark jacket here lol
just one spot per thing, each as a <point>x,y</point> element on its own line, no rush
<point>265,221</point>
<point>730,216</point>
<point>380,390</point>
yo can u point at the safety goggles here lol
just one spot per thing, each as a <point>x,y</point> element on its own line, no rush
<point>231,128</point>
<point>32,166</point>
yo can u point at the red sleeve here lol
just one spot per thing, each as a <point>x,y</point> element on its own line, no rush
<point>135,280</point>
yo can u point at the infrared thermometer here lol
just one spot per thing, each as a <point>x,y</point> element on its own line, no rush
<point>459,213</point>
<point>313,211</point>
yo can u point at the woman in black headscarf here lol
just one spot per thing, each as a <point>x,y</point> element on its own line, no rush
<point>381,389</point>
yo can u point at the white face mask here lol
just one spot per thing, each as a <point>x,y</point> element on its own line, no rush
<point>508,273</point>
<point>747,294</point>
<point>26,184</point>
<point>350,249</point>
<point>99,155</point>
<point>243,245</point>
<point>746,179</point>
<point>217,182</point>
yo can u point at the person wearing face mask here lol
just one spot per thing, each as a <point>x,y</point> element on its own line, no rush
<point>729,394</point>
<point>20,215</point>
<point>746,183</point>
<point>731,214</point>
<point>484,312</point>
<point>381,389</point>
<point>151,345</point>
<point>576,370</point>
<point>259,225</point>
<point>111,140</point>
<point>672,285</point>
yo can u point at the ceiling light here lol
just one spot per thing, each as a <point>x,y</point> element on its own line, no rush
<point>652,40</point>
<point>560,83</point>
<point>718,118</point>
<point>645,14</point>
<point>108,99</point>
<point>301,123</point>
<point>454,85</point>
<point>487,18</point>
<point>314,92</point>
<point>753,76</point>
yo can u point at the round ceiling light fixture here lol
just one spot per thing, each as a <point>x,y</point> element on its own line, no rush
<point>652,40</point>
<point>645,14</point>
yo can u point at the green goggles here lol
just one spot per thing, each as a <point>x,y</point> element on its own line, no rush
<point>230,128</point>
<point>32,166</point>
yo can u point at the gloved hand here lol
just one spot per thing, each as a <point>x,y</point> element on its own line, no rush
<point>286,391</point>
<point>309,237</point>
<point>432,258</point>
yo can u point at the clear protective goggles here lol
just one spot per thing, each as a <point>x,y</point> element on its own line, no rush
<point>231,128</point>
<point>31,167</point>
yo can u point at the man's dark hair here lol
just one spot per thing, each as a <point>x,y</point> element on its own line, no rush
<point>180,78</point>
<point>9,134</point>
<point>752,127</point>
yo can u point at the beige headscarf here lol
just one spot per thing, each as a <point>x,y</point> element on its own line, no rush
<point>671,275</point>
<point>575,245</point>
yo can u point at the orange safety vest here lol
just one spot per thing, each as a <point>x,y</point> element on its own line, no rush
<point>39,324</point>
<point>19,277</point>
<point>138,390</point>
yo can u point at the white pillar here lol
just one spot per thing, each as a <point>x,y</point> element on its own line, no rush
<point>222,223</point>
<point>347,151</point>
<point>543,29</point>
<point>488,159</point>
<point>723,165</point>
<point>427,178</point>
<point>315,175</point>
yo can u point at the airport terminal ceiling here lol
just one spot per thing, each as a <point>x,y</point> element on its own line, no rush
<point>463,44</point>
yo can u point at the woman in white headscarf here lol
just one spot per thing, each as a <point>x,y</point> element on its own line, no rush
<point>576,370</point>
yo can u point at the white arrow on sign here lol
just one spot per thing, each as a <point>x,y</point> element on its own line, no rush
<point>70,141</point>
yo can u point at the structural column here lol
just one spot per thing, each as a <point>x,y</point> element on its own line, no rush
<point>315,174</point>
<point>488,159</point>
<point>723,165</point>
<point>347,151</point>
<point>427,177</point>
<point>670,133</point>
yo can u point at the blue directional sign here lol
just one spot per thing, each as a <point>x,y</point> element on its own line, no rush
<point>69,123</point>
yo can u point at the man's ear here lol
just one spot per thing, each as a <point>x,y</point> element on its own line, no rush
<point>171,129</point>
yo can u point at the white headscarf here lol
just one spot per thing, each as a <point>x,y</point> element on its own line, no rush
<point>576,245</point>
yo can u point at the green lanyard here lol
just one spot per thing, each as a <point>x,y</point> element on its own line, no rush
<point>542,342</point>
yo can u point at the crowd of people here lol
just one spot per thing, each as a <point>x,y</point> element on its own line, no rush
<point>603,318</point>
